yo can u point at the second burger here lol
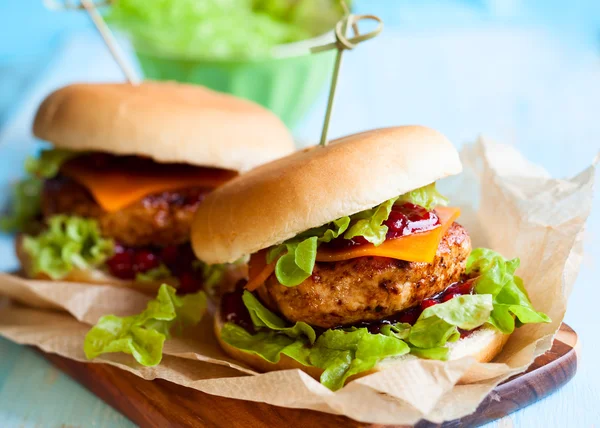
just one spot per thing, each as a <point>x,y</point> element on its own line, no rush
<point>112,201</point>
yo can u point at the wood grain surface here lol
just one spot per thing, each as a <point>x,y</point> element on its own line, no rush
<point>160,403</point>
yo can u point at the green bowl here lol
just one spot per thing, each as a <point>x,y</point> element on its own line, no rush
<point>287,83</point>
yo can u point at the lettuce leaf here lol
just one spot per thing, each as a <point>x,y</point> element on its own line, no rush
<point>266,344</point>
<point>439,353</point>
<point>48,163</point>
<point>297,256</point>
<point>68,242</point>
<point>369,223</point>
<point>467,312</point>
<point>399,330</point>
<point>156,274</point>
<point>427,197</point>
<point>339,353</point>
<point>432,332</point>
<point>25,202</point>
<point>25,206</point>
<point>497,278</point>
<point>300,253</point>
<point>262,317</point>
<point>342,354</point>
<point>298,262</point>
<point>143,335</point>
<point>212,274</point>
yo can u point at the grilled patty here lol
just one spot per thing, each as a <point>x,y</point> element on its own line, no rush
<point>368,288</point>
<point>159,219</point>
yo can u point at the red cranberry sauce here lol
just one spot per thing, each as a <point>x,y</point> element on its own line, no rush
<point>405,219</point>
<point>411,315</point>
<point>233,308</point>
<point>127,262</point>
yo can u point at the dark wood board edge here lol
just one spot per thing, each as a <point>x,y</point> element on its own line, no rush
<point>160,403</point>
<point>546,375</point>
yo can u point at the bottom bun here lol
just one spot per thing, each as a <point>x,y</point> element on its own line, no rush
<point>100,277</point>
<point>483,345</point>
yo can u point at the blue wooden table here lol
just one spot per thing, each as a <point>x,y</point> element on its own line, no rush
<point>527,75</point>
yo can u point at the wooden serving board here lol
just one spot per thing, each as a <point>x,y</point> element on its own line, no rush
<point>160,403</point>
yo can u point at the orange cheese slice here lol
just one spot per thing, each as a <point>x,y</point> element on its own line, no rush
<point>115,188</point>
<point>420,247</point>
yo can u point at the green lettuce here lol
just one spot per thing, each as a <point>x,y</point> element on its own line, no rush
<point>262,317</point>
<point>212,274</point>
<point>399,330</point>
<point>467,312</point>
<point>437,325</point>
<point>143,335</point>
<point>339,353</point>
<point>69,242</point>
<point>369,223</point>
<point>297,256</point>
<point>274,339</point>
<point>25,202</point>
<point>497,278</point>
<point>300,253</point>
<point>342,354</point>
<point>156,274</point>
<point>428,197</point>
<point>266,344</point>
<point>25,206</point>
<point>48,163</point>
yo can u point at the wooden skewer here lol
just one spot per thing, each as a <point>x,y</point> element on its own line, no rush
<point>342,43</point>
<point>110,41</point>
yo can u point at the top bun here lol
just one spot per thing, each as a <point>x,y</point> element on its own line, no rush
<point>314,186</point>
<point>168,122</point>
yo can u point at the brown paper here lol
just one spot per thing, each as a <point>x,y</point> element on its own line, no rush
<point>508,204</point>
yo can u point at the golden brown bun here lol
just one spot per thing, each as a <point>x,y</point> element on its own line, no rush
<point>483,345</point>
<point>166,121</point>
<point>96,276</point>
<point>309,188</point>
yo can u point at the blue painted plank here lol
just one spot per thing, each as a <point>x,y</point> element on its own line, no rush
<point>35,394</point>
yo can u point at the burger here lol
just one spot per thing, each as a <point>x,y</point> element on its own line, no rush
<point>356,261</point>
<point>113,199</point>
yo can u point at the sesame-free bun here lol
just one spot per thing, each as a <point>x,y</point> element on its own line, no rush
<point>483,345</point>
<point>314,186</point>
<point>166,121</point>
